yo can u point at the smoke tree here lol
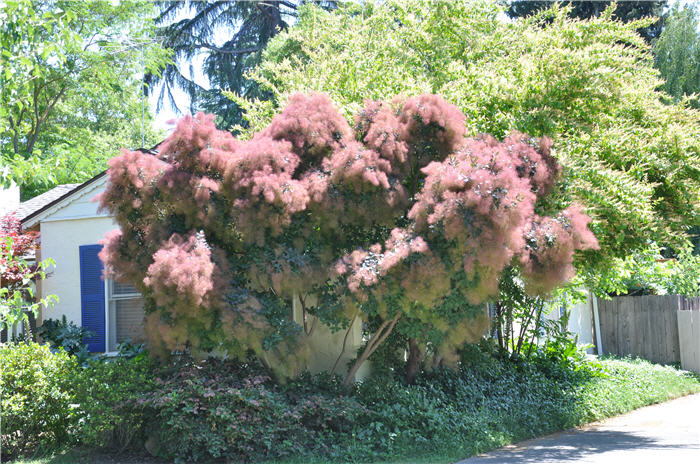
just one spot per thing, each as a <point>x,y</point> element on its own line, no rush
<point>400,221</point>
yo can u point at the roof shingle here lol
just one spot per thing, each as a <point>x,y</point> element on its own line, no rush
<point>28,207</point>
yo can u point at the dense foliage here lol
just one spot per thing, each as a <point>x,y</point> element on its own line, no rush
<point>629,157</point>
<point>17,276</point>
<point>37,397</point>
<point>187,411</point>
<point>648,272</point>
<point>677,53</point>
<point>223,410</point>
<point>402,218</point>
<point>71,87</point>
<point>626,10</point>
<point>61,334</point>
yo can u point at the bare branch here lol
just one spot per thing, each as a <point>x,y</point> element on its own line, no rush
<point>345,341</point>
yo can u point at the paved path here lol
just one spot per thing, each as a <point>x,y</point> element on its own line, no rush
<point>667,433</point>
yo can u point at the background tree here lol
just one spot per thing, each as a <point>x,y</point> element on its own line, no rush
<point>231,36</point>
<point>626,10</point>
<point>402,222</point>
<point>630,158</point>
<point>677,53</point>
<point>72,88</point>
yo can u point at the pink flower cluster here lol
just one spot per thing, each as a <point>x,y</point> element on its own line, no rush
<point>280,211</point>
<point>547,260</point>
<point>366,268</point>
<point>181,276</point>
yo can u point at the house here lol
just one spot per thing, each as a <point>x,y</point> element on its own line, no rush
<point>70,228</point>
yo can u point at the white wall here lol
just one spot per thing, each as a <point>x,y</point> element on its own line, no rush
<point>64,228</point>
<point>9,198</point>
<point>580,322</point>
<point>326,346</point>
<point>60,240</point>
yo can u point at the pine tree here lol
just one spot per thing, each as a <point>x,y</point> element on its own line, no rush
<point>245,26</point>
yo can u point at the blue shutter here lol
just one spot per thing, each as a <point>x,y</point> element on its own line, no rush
<point>92,297</point>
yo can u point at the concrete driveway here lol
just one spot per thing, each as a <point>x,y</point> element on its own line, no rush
<point>667,433</point>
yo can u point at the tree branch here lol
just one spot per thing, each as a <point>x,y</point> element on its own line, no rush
<point>345,341</point>
<point>240,51</point>
<point>41,119</point>
<point>379,336</point>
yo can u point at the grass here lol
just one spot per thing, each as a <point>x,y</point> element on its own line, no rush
<point>450,416</point>
<point>634,383</point>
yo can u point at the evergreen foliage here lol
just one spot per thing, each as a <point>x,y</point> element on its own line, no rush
<point>230,36</point>
<point>626,10</point>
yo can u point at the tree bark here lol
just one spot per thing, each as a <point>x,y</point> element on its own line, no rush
<point>345,341</point>
<point>379,336</point>
<point>416,354</point>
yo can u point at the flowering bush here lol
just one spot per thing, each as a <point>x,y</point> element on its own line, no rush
<point>17,299</point>
<point>401,221</point>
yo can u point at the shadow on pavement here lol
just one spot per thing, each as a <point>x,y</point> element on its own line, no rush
<point>570,447</point>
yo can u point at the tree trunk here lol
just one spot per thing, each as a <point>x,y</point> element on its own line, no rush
<point>416,354</point>
<point>345,341</point>
<point>499,323</point>
<point>379,336</point>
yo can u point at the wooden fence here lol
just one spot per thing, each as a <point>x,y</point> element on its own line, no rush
<point>643,326</point>
<point>689,333</point>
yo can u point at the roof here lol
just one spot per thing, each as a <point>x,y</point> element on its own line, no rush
<point>29,207</point>
<point>46,200</point>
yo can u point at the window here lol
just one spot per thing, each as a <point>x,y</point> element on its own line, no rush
<point>125,314</point>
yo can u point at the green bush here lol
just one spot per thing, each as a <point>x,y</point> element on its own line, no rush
<point>210,410</point>
<point>106,391</point>
<point>66,335</point>
<point>38,407</point>
<point>213,410</point>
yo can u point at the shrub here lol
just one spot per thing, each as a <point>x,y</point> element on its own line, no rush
<point>106,392</point>
<point>37,397</point>
<point>401,221</point>
<point>65,335</point>
<point>210,410</point>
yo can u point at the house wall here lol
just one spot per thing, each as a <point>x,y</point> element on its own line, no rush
<point>60,240</point>
<point>580,322</point>
<point>9,198</point>
<point>326,346</point>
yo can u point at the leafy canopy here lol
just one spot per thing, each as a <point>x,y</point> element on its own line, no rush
<point>400,217</point>
<point>71,87</point>
<point>678,53</point>
<point>632,159</point>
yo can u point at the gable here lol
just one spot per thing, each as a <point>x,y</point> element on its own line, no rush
<point>76,204</point>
